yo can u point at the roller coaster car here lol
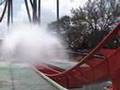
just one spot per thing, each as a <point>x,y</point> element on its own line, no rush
<point>91,68</point>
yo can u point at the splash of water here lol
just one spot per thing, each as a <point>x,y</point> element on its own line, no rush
<point>32,44</point>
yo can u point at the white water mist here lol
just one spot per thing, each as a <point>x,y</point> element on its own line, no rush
<point>32,44</point>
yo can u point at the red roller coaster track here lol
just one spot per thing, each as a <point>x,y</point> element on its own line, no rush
<point>96,70</point>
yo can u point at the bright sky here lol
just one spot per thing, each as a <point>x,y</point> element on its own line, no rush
<point>48,9</point>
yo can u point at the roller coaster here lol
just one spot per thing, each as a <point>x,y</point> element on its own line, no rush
<point>34,15</point>
<point>90,69</point>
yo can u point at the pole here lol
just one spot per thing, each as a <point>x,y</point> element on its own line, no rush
<point>8,16</point>
<point>11,9</point>
<point>57,10</point>
<point>58,15</point>
<point>28,11</point>
<point>34,11</point>
<point>39,11</point>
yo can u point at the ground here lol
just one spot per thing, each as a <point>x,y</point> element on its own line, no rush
<point>21,77</point>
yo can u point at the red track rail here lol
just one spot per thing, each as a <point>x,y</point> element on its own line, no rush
<point>96,70</point>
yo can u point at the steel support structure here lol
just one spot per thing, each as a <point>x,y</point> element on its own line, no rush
<point>34,4</point>
<point>10,12</point>
<point>58,16</point>
<point>36,10</point>
<point>34,17</point>
<point>96,69</point>
<point>7,7</point>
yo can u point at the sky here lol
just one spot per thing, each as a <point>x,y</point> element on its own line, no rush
<point>48,11</point>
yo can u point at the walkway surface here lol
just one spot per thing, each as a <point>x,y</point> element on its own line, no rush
<point>20,77</point>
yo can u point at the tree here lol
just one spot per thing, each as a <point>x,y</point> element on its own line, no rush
<point>90,23</point>
<point>96,16</point>
<point>69,33</point>
<point>63,24</point>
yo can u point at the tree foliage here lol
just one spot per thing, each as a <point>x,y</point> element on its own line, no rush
<point>88,24</point>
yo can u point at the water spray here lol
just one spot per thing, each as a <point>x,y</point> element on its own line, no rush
<point>32,44</point>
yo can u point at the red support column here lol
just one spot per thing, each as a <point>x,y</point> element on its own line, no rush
<point>116,80</point>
